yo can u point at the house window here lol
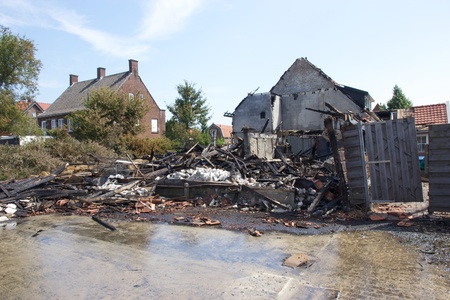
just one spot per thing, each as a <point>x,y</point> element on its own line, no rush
<point>262,115</point>
<point>154,125</point>
<point>53,123</point>
<point>60,123</point>
<point>130,96</point>
<point>44,125</point>
<point>69,125</point>
<point>422,141</point>
<point>213,133</point>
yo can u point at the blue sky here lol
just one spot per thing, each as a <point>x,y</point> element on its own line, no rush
<point>231,48</point>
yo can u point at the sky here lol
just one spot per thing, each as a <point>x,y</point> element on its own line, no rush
<point>229,48</point>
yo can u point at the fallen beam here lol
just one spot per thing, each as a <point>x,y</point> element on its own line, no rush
<point>103,223</point>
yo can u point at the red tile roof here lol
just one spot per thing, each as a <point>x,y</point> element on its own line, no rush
<point>430,114</point>
<point>44,105</point>
<point>226,130</point>
<point>24,105</point>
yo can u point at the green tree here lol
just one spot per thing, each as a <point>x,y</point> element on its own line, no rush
<point>19,72</point>
<point>13,120</point>
<point>19,67</point>
<point>398,100</point>
<point>108,116</point>
<point>190,115</point>
<point>382,106</point>
<point>190,108</point>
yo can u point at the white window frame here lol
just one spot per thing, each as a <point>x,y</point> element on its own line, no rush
<point>130,96</point>
<point>53,123</point>
<point>69,125</point>
<point>155,125</point>
<point>44,126</point>
<point>60,123</point>
<point>420,143</point>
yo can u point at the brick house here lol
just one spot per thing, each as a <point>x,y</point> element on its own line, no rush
<point>128,82</point>
<point>32,108</point>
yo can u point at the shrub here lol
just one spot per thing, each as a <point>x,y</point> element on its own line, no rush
<point>75,152</point>
<point>37,157</point>
<point>24,161</point>
<point>140,147</point>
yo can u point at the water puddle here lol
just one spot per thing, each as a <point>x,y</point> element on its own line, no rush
<point>59,257</point>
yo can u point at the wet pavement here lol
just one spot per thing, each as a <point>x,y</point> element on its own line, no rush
<point>73,257</point>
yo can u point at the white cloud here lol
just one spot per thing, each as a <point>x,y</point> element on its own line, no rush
<point>160,18</point>
<point>165,17</point>
<point>73,23</point>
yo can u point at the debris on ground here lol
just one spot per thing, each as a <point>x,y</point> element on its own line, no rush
<point>206,177</point>
<point>296,260</point>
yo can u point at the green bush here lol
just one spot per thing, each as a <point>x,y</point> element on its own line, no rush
<point>73,151</point>
<point>24,161</point>
<point>140,147</point>
<point>46,156</point>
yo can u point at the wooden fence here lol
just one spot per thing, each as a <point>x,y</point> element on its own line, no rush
<point>439,167</point>
<point>382,162</point>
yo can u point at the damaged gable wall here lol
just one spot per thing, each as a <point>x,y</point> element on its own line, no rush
<point>302,76</point>
<point>302,86</point>
<point>295,116</point>
<point>253,113</point>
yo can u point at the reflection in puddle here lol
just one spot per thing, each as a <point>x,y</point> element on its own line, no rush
<point>54,257</point>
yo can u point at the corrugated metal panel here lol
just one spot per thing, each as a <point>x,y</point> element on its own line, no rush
<point>439,167</point>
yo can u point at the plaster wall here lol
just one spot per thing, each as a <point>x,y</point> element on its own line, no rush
<point>310,79</point>
<point>295,116</point>
<point>248,113</point>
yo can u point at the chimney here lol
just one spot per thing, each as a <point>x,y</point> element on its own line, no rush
<point>73,79</point>
<point>133,67</point>
<point>100,73</point>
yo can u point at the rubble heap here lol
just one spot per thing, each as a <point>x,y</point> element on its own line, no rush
<point>211,176</point>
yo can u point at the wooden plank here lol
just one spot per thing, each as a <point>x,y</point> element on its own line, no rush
<point>355,164</point>
<point>371,157</point>
<point>403,194</point>
<point>328,123</point>
<point>439,144</point>
<point>439,167</point>
<point>393,157</point>
<point>416,184</point>
<point>381,157</point>
<point>439,170</point>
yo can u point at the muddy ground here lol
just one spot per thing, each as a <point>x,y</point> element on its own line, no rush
<point>429,234</point>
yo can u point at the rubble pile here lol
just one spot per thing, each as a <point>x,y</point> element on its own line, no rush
<point>224,175</point>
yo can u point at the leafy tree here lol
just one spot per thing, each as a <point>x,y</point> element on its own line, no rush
<point>19,68</point>
<point>13,120</point>
<point>108,115</point>
<point>190,109</point>
<point>190,115</point>
<point>19,71</point>
<point>398,100</point>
